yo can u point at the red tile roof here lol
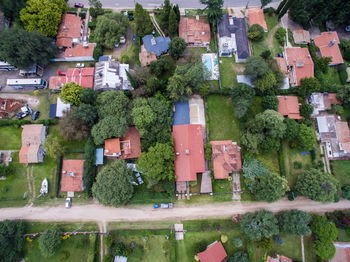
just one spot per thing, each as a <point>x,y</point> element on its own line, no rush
<point>72,175</point>
<point>146,57</point>
<point>70,28</point>
<point>343,134</point>
<point>329,48</point>
<point>80,76</point>
<point>8,105</point>
<point>289,106</point>
<point>256,16</point>
<point>194,31</point>
<point>112,147</point>
<point>80,51</point>
<point>301,62</point>
<point>189,150</point>
<point>226,157</point>
<point>214,253</point>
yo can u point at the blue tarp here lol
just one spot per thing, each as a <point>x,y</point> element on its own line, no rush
<point>99,156</point>
<point>53,108</point>
<point>182,113</point>
<point>160,46</point>
<point>304,153</point>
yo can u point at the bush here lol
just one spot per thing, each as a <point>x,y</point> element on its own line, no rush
<point>343,75</point>
<point>82,15</point>
<point>297,165</point>
<point>124,59</point>
<point>58,176</point>
<point>280,35</point>
<point>237,242</point>
<point>208,151</point>
<point>199,247</point>
<point>337,109</point>
<point>256,32</point>
<point>89,165</point>
<point>49,241</point>
<point>346,191</point>
<point>137,51</point>
<point>98,51</point>
<point>270,11</point>
<point>92,25</point>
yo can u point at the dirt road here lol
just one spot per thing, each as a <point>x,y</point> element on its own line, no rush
<point>100,213</point>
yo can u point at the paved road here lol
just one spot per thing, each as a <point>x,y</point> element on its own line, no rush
<point>156,3</point>
<point>98,213</point>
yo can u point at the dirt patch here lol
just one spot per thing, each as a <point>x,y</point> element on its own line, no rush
<point>238,68</point>
<point>117,52</point>
<point>32,101</point>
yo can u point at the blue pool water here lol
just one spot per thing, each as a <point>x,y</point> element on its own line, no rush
<point>208,63</point>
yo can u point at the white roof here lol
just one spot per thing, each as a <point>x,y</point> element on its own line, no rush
<point>322,124</point>
<point>245,80</point>
<point>285,83</point>
<point>120,259</point>
<point>111,79</point>
<point>317,101</point>
<point>61,107</point>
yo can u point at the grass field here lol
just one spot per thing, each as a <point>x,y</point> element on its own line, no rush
<point>221,122</point>
<point>10,138</point>
<point>270,161</point>
<point>222,189</point>
<point>228,73</point>
<point>35,227</point>
<point>340,169</point>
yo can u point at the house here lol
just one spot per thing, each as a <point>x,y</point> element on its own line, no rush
<point>215,252</point>
<point>328,43</point>
<point>70,31</point>
<point>342,253</point>
<point>157,45</point>
<point>58,110</point>
<point>226,157</point>
<point>80,52</point>
<point>281,62</point>
<point>111,75</point>
<point>33,138</point>
<point>127,147</point>
<point>335,136</point>
<point>195,31</point>
<point>256,16</point>
<point>233,37</point>
<point>9,106</point>
<point>301,37</point>
<point>146,57</point>
<point>278,259</point>
<point>189,150</point>
<point>323,102</point>
<point>81,76</point>
<point>299,64</point>
<point>289,106</point>
<point>72,175</point>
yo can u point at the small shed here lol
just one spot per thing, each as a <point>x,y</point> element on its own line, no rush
<point>99,156</point>
<point>120,259</point>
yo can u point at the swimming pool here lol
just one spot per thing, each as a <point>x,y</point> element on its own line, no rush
<point>208,63</point>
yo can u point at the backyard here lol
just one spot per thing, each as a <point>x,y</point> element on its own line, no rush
<point>10,138</point>
<point>228,72</point>
<point>340,169</point>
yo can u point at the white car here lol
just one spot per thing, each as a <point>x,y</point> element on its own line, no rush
<point>68,202</point>
<point>80,65</point>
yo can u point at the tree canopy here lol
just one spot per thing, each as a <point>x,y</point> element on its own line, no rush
<point>194,75</point>
<point>178,88</point>
<point>213,10</point>
<point>270,102</point>
<point>256,32</point>
<point>53,146</point>
<point>143,21</point>
<point>86,113</point>
<point>88,96</point>
<point>49,241</point>
<point>308,85</point>
<point>113,186</point>
<point>344,94</point>
<point>109,127</point>
<point>70,93</point>
<point>72,128</point>
<point>242,95</point>
<point>11,240</point>
<point>271,187</point>
<point>294,222</point>
<point>176,47</point>
<point>11,8</point>
<point>239,256</point>
<point>306,137</point>
<point>112,103</point>
<point>22,49</point>
<point>255,67</point>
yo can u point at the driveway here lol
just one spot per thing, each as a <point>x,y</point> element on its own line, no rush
<point>117,52</point>
<point>98,213</point>
<point>4,75</point>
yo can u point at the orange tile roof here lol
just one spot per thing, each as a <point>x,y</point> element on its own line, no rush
<point>194,31</point>
<point>323,41</point>
<point>214,253</point>
<point>23,155</point>
<point>80,51</point>
<point>256,16</point>
<point>343,134</point>
<point>80,76</point>
<point>72,175</point>
<point>146,57</point>
<point>112,147</point>
<point>189,150</point>
<point>301,62</point>
<point>289,106</point>
<point>70,28</point>
<point>301,36</point>
<point>226,157</point>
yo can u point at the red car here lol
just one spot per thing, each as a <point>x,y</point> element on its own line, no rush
<point>78,5</point>
<point>61,73</point>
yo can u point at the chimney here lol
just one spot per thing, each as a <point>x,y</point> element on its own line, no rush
<point>71,174</point>
<point>197,17</point>
<point>187,151</point>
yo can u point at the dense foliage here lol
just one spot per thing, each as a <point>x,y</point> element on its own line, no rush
<point>70,93</point>
<point>213,10</point>
<point>270,187</point>
<point>176,47</point>
<point>11,240</point>
<point>53,146</point>
<point>256,32</point>
<point>242,95</point>
<point>143,21</point>
<point>255,67</point>
<point>49,241</point>
<point>11,8</point>
<point>294,222</point>
<point>89,165</point>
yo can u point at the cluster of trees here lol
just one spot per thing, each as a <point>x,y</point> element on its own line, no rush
<point>169,18</point>
<point>242,95</point>
<point>89,165</point>
<point>49,241</point>
<point>143,21</point>
<point>6,170</point>
<point>12,240</point>
<point>256,32</point>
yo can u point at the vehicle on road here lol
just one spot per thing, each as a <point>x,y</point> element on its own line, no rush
<point>61,73</point>
<point>80,65</point>
<point>79,5</point>
<point>35,115</point>
<point>164,205</point>
<point>68,202</point>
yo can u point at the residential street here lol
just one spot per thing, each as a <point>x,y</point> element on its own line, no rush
<point>103,214</point>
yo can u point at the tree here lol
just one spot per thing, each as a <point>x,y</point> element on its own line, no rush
<point>265,3</point>
<point>109,29</point>
<point>270,187</point>
<point>177,88</point>
<point>316,185</point>
<point>324,249</point>
<point>213,10</point>
<point>266,54</point>
<point>251,141</point>
<point>144,24</point>
<point>253,169</point>
<point>292,130</point>
<point>306,110</point>
<point>256,32</point>
<point>160,66</point>
<point>259,225</point>
<point>173,23</point>
<point>11,8</point>
<point>270,102</point>
<point>177,46</point>
<point>72,128</point>
<point>12,240</point>
<point>70,93</point>
<point>165,16</point>
<point>53,146</point>
<point>272,123</point>
<point>242,95</point>
<point>22,49</point>
<point>5,170</point>
<point>89,165</point>
<point>255,67</point>
<point>113,186</point>
<point>95,8</point>
<point>153,85</point>
<point>88,96</point>
<point>98,51</point>
<point>239,256</point>
<point>177,12</point>
<point>307,86</point>
<point>285,9</point>
<point>280,35</point>
<point>112,103</point>
<point>109,127</point>
<point>194,75</point>
<point>266,82</point>
<point>345,48</point>
<point>346,191</point>
<point>237,242</point>
<point>49,241</point>
<point>86,113</point>
<point>280,6</point>
<point>344,94</point>
<point>294,222</point>
<point>323,63</point>
<point>43,16</point>
<point>306,137</point>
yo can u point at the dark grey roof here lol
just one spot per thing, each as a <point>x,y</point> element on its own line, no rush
<point>159,46</point>
<point>53,108</point>
<point>103,58</point>
<point>240,30</point>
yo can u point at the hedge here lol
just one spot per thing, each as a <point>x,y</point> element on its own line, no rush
<point>58,176</point>
<point>281,161</point>
<point>137,51</point>
<point>343,75</point>
<point>89,165</point>
<point>9,122</point>
<point>92,248</point>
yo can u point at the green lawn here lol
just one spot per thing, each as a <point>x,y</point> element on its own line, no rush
<point>222,189</point>
<point>10,138</point>
<point>331,77</point>
<point>144,195</point>
<point>255,107</point>
<point>35,227</point>
<point>221,122</point>
<point>270,161</point>
<point>227,72</point>
<point>342,236</point>
<point>340,169</point>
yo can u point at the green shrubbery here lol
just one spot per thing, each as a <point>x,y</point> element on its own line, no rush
<point>89,165</point>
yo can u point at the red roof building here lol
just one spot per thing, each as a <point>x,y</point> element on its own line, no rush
<point>8,106</point>
<point>288,106</point>
<point>80,51</point>
<point>215,252</point>
<point>299,64</point>
<point>328,43</point>
<point>70,31</point>
<point>342,253</point>
<point>256,16</point>
<point>189,150</point>
<point>226,157</point>
<point>33,138</point>
<point>80,76</point>
<point>195,31</point>
<point>72,175</point>
<point>127,147</point>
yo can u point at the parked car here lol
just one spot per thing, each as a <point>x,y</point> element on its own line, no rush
<point>20,115</point>
<point>139,178</point>
<point>61,73</point>
<point>116,45</point>
<point>35,115</point>
<point>122,40</point>
<point>68,202</point>
<point>79,5</point>
<point>80,65</point>
<point>347,28</point>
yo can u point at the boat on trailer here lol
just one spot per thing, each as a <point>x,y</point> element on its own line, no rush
<point>44,187</point>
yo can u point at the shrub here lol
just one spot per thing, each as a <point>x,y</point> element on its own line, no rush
<point>280,35</point>
<point>346,191</point>
<point>58,176</point>
<point>124,59</point>
<point>89,165</point>
<point>137,51</point>
<point>199,247</point>
<point>82,15</point>
<point>98,51</point>
<point>49,241</point>
<point>256,32</point>
<point>208,151</point>
<point>237,242</point>
<point>337,109</point>
<point>224,239</point>
<point>269,11</point>
<point>297,165</point>
<point>92,25</point>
